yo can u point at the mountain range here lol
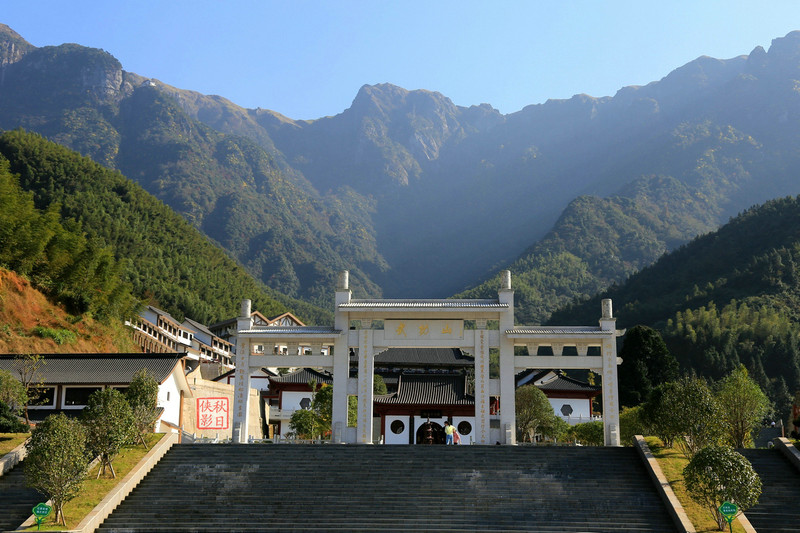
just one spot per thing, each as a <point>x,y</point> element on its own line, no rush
<point>419,197</point>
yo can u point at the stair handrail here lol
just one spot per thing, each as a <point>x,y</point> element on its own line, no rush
<point>674,507</point>
<point>788,450</point>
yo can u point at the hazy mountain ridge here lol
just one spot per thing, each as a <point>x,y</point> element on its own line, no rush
<point>419,197</point>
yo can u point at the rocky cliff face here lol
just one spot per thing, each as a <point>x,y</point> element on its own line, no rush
<point>12,46</point>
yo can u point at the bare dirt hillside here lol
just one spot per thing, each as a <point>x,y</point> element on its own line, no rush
<point>30,323</point>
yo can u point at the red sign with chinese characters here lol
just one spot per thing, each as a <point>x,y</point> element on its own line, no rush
<point>212,413</point>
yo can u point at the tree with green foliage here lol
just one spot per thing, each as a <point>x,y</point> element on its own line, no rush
<point>656,415</point>
<point>589,433</point>
<point>306,424</point>
<point>315,421</point>
<point>534,413</point>
<point>684,413</point>
<point>379,385</point>
<point>717,474</point>
<point>27,367</point>
<point>12,401</point>
<point>142,396</point>
<point>744,406</point>
<point>109,424</point>
<point>781,398</point>
<point>57,460</point>
<point>631,422</point>
<point>12,393</point>
<point>10,422</point>
<point>697,415</point>
<point>646,362</point>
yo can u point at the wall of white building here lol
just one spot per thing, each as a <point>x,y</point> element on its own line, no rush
<point>410,431</point>
<point>581,409</point>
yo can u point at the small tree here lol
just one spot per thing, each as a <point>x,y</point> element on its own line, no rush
<point>12,400</point>
<point>631,423</point>
<point>695,414</point>
<point>656,415</point>
<point>10,422</point>
<point>717,474</point>
<point>142,395</point>
<point>305,423</point>
<point>28,368</point>
<point>534,412</point>
<point>589,433</point>
<point>379,385</point>
<point>744,405</point>
<point>12,393</point>
<point>57,462</point>
<point>109,426</point>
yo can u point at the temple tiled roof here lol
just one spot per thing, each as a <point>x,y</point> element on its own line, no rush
<point>304,376</point>
<point>447,357</point>
<point>557,383</point>
<point>566,383</point>
<point>111,369</point>
<point>431,389</point>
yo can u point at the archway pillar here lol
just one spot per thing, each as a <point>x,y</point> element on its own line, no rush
<point>341,362</point>
<point>241,389</point>
<point>366,371</point>
<point>508,410</point>
<point>610,401</point>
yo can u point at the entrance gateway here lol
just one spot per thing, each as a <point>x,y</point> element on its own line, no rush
<point>370,326</point>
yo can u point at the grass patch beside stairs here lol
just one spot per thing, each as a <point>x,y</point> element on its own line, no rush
<point>94,490</point>
<point>9,441</point>
<point>672,463</point>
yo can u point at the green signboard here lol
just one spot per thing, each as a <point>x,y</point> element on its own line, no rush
<point>728,510</point>
<point>40,512</point>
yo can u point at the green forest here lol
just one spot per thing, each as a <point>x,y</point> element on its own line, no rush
<point>96,241</point>
<point>727,298</point>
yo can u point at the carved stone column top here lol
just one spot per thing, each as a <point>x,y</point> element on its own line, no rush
<point>607,309</point>
<point>344,281</point>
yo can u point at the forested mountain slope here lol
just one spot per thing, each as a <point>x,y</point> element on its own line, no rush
<point>270,219</point>
<point>165,260</point>
<point>419,197</point>
<point>729,297</point>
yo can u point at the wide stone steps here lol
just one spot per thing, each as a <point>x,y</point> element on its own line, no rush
<point>16,500</point>
<point>393,488</point>
<point>780,493</point>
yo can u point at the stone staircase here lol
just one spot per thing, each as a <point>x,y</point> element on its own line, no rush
<point>780,493</point>
<point>16,500</point>
<point>393,488</point>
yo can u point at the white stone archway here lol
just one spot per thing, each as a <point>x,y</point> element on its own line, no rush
<point>374,325</point>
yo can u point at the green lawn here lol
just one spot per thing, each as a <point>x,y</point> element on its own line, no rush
<point>94,490</point>
<point>9,441</point>
<point>672,463</point>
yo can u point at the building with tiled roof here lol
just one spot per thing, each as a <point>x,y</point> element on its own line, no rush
<point>69,379</point>
<point>289,392</point>
<point>571,398</point>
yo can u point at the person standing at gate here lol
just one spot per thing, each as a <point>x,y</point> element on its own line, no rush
<point>448,432</point>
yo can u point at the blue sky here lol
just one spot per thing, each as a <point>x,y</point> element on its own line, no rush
<point>307,59</point>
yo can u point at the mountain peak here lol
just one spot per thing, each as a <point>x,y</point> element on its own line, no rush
<point>12,46</point>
